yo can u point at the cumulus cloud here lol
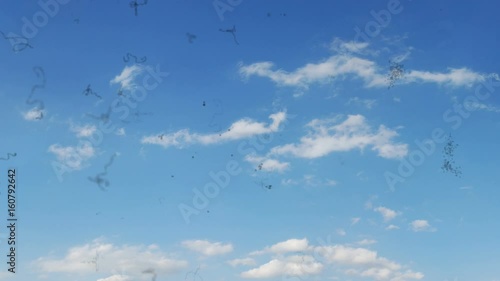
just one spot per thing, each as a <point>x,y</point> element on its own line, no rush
<point>74,157</point>
<point>328,135</point>
<point>268,164</point>
<point>84,131</point>
<point>240,129</point>
<point>130,259</point>
<point>290,245</point>
<point>421,225</point>
<point>290,266</point>
<point>386,213</point>
<point>208,248</point>
<point>392,227</point>
<point>346,62</point>
<point>366,263</point>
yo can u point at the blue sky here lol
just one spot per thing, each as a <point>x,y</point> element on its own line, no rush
<point>281,155</point>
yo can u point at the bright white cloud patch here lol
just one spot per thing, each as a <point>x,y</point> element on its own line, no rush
<point>287,267</point>
<point>365,263</point>
<point>421,225</point>
<point>127,76</point>
<point>328,135</point>
<point>346,62</point>
<point>240,129</point>
<point>267,164</point>
<point>291,245</point>
<point>131,260</point>
<point>74,157</point>
<point>208,248</point>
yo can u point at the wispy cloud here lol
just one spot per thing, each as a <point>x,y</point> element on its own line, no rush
<point>347,62</point>
<point>245,261</point>
<point>240,129</point>
<point>208,248</point>
<point>368,103</point>
<point>127,76</point>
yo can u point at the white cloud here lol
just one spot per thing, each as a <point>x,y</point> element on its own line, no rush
<point>473,105</point>
<point>365,263</point>
<point>366,242</point>
<point>34,114</point>
<point>132,260</point>
<point>84,131</point>
<point>290,245</point>
<point>343,47</point>
<point>245,261</point>
<point>127,76</point>
<point>386,213</point>
<point>355,221</point>
<point>208,248</point>
<point>240,129</point>
<point>269,165</point>
<point>421,225</point>
<point>455,77</point>
<point>341,232</point>
<point>116,277</point>
<point>73,157</point>
<point>289,266</point>
<point>327,136</point>
<point>345,62</point>
<point>392,227</point>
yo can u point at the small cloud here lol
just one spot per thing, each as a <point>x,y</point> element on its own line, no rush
<point>421,225</point>
<point>34,114</point>
<point>392,227</point>
<point>368,103</point>
<point>127,76</point>
<point>84,131</point>
<point>267,164</point>
<point>73,157</point>
<point>120,132</point>
<point>366,242</point>
<point>208,248</point>
<point>386,213</point>
<point>355,221</point>
<point>341,232</point>
<point>245,261</point>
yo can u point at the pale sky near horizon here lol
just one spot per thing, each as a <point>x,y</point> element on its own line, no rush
<point>250,140</point>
